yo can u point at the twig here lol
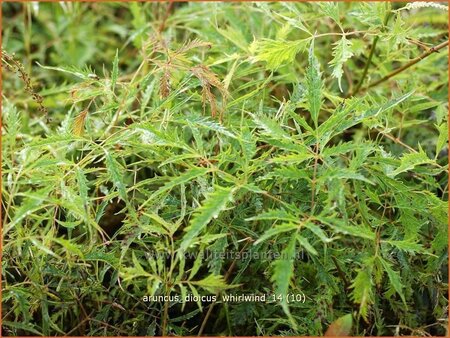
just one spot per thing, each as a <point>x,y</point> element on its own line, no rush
<point>397,140</point>
<point>341,273</point>
<point>369,61</point>
<point>313,183</point>
<point>166,16</point>
<point>409,64</point>
<point>15,66</point>
<point>211,307</point>
<point>418,43</point>
<point>366,68</point>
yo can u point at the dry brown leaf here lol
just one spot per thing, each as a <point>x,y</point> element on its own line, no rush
<point>78,123</point>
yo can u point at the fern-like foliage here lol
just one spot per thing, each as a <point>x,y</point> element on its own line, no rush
<point>214,204</point>
<point>224,169</point>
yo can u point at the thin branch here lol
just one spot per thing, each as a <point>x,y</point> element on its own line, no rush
<point>366,68</point>
<point>341,273</point>
<point>409,64</point>
<point>166,16</point>
<point>369,60</point>
<point>418,43</point>
<point>397,140</point>
<point>313,183</point>
<point>227,275</point>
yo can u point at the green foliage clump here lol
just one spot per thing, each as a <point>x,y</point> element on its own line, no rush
<point>210,149</point>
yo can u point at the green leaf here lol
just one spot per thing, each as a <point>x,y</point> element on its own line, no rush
<point>342,174</point>
<point>69,225</point>
<point>27,327</point>
<point>352,113</point>
<point>32,202</point>
<point>185,177</point>
<point>82,185</point>
<point>305,244</point>
<point>41,246</point>
<point>354,230</point>
<point>407,245</point>
<point>183,292</point>
<point>196,266</point>
<point>270,127</point>
<point>331,9</point>
<point>292,158</point>
<point>278,229</point>
<point>278,214</point>
<point>410,161</point>
<point>277,52</point>
<point>213,283</point>
<point>134,271</point>
<point>84,74</point>
<point>390,104</point>
<point>235,36</point>
<point>214,204</point>
<point>69,246</point>
<point>291,173</point>
<point>394,278</point>
<point>442,138</point>
<point>196,295</point>
<point>114,171</point>
<point>283,270</point>
<point>362,292</point>
<point>313,85</point>
<point>207,123</point>
<point>315,229</point>
<point>341,53</point>
<point>115,71</point>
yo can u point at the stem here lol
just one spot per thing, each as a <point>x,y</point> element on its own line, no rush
<point>366,68</point>
<point>166,16</point>
<point>313,183</point>
<point>409,64</point>
<point>341,34</point>
<point>369,59</point>
<point>168,286</point>
<point>165,316</point>
<point>341,273</point>
<point>397,140</point>
<point>211,307</point>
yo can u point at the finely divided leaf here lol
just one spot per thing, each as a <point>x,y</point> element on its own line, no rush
<point>362,293</point>
<point>442,139</point>
<point>277,52</point>
<point>114,171</point>
<point>115,71</point>
<point>408,246</point>
<point>283,270</point>
<point>313,85</point>
<point>187,176</point>
<point>331,9</point>
<point>270,127</point>
<point>410,161</point>
<point>306,245</point>
<point>212,283</point>
<point>394,278</point>
<point>278,229</point>
<point>292,158</point>
<point>277,214</point>
<point>214,204</point>
<point>354,230</point>
<point>341,53</point>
